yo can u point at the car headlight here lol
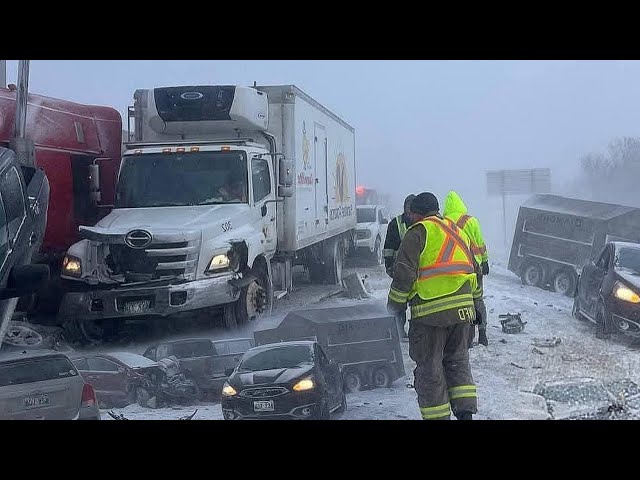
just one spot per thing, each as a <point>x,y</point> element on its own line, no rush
<point>228,390</point>
<point>219,262</point>
<point>304,384</point>
<point>71,266</point>
<point>625,293</point>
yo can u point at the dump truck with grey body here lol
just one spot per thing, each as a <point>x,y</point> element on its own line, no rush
<point>363,339</point>
<point>555,236</point>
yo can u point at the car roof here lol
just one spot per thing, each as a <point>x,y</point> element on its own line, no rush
<point>223,340</point>
<point>181,340</point>
<point>266,346</point>
<point>10,356</point>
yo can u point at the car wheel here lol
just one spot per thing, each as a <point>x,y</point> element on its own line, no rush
<point>352,382</point>
<point>382,377</point>
<point>564,282</point>
<point>377,252</point>
<point>532,275</point>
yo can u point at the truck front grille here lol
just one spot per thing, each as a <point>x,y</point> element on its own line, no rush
<point>154,262</point>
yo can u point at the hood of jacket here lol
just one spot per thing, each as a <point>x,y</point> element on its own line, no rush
<point>453,205</point>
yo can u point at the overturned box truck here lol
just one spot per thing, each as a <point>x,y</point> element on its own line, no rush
<point>221,192</point>
<point>555,236</point>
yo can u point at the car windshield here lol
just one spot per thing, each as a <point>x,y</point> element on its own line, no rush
<point>36,370</point>
<point>366,215</point>
<point>182,179</point>
<point>629,258</point>
<point>289,356</point>
<point>576,394</point>
<point>192,349</point>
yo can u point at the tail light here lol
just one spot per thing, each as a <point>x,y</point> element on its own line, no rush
<point>88,396</point>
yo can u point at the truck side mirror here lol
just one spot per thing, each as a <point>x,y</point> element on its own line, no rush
<point>285,191</point>
<point>285,172</point>
<point>94,183</point>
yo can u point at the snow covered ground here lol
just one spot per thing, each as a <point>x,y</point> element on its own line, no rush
<point>509,366</point>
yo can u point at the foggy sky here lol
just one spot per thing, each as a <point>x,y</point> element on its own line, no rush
<point>420,125</point>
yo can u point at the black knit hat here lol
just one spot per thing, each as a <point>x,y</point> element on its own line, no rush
<point>424,203</point>
<point>408,200</point>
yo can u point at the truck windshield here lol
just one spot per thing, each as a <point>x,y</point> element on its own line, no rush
<point>181,179</point>
<point>629,258</point>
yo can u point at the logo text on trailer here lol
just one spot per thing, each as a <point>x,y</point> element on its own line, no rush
<point>138,239</point>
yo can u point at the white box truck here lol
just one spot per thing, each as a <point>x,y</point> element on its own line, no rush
<point>221,191</point>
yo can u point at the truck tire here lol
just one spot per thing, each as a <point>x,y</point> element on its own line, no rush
<point>256,299</point>
<point>90,332</point>
<point>532,274</point>
<point>564,282</point>
<point>352,381</point>
<point>335,263</point>
<point>381,377</point>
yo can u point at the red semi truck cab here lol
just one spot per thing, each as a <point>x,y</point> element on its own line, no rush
<point>68,138</point>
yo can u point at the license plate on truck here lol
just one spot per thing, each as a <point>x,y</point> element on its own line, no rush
<point>137,306</point>
<point>263,406</point>
<point>36,400</point>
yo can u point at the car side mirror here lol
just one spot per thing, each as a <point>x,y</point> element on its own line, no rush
<point>25,280</point>
<point>384,221</point>
<point>263,210</point>
<point>228,372</point>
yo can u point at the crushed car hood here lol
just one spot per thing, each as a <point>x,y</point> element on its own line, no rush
<point>276,376</point>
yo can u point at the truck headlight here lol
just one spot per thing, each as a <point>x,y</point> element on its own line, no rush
<point>625,293</point>
<point>71,266</point>
<point>228,390</point>
<point>219,262</point>
<point>304,384</point>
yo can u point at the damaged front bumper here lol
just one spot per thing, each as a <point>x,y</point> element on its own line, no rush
<point>140,301</point>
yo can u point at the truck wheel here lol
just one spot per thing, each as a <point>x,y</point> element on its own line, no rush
<point>336,262</point>
<point>564,282</point>
<point>382,377</point>
<point>352,382</point>
<point>256,299</point>
<point>532,275</point>
<point>89,332</point>
<point>377,252</point>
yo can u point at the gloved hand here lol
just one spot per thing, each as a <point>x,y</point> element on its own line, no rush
<point>485,268</point>
<point>478,319</point>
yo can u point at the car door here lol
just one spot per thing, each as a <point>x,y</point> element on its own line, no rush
<point>37,204</point>
<point>591,280</point>
<point>107,378</point>
<point>330,372</point>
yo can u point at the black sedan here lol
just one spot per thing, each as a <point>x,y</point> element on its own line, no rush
<point>287,380</point>
<point>608,292</point>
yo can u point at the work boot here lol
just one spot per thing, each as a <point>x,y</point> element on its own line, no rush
<point>464,415</point>
<point>482,337</point>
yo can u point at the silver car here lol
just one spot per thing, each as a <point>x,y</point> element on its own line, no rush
<point>44,385</point>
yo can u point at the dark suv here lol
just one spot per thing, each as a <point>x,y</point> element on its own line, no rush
<point>608,291</point>
<point>24,201</point>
